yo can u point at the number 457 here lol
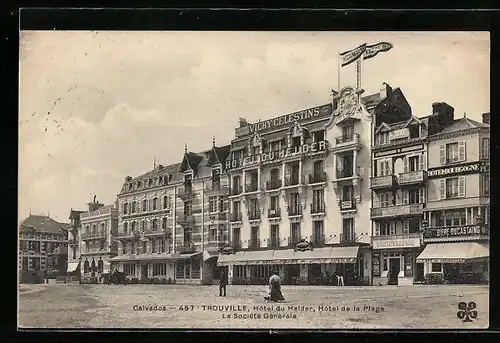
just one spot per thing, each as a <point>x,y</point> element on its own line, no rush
<point>186,307</point>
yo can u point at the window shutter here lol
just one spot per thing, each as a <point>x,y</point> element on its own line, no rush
<point>461,186</point>
<point>381,169</point>
<point>388,168</point>
<point>376,201</point>
<point>421,160</point>
<point>377,229</point>
<point>405,197</point>
<point>461,151</point>
<point>442,189</point>
<point>422,195</point>
<point>442,154</point>
<point>405,160</point>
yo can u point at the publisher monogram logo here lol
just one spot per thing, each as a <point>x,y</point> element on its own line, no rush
<point>467,311</point>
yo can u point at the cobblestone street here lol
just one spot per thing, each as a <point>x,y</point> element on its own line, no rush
<point>175,306</point>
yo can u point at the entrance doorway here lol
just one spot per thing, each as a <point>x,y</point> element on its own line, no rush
<point>292,273</point>
<point>394,267</point>
<point>419,272</point>
<point>315,274</point>
<point>144,272</point>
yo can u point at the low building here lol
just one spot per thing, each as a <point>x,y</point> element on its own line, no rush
<point>99,226</point>
<point>456,233</point>
<point>42,248</point>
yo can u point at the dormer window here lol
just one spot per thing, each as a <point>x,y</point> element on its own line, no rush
<point>414,131</point>
<point>237,154</point>
<point>161,180</point>
<point>150,183</point>
<point>139,184</point>
<point>129,186</point>
<point>319,136</point>
<point>255,150</point>
<point>295,142</point>
<point>382,138</point>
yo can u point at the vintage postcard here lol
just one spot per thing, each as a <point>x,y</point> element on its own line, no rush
<point>264,180</point>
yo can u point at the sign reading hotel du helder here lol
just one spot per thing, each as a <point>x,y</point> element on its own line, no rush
<point>273,156</point>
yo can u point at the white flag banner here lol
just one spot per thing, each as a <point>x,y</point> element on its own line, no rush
<point>373,50</point>
<point>350,56</point>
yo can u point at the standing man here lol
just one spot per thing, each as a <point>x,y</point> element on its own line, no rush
<point>222,283</point>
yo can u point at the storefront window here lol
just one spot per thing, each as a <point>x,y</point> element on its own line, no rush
<point>437,268</point>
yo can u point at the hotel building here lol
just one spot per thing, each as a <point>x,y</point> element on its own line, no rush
<point>456,230</point>
<point>42,248</point>
<point>173,220</point>
<point>300,192</point>
<point>98,227</point>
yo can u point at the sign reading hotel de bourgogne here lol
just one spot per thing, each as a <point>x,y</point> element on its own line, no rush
<point>462,169</point>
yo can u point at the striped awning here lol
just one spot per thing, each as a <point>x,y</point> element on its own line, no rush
<point>460,252</point>
<point>289,256</point>
<point>152,257</point>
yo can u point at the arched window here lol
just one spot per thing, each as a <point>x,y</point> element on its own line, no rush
<point>144,205</point>
<point>94,230</point>
<point>155,204</point>
<point>133,207</point>
<point>100,266</point>
<point>125,208</point>
<point>86,266</point>
<point>125,228</point>
<point>93,266</point>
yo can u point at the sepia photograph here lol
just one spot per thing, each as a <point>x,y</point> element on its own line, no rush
<point>254,180</point>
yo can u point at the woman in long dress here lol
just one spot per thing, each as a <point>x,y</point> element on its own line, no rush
<point>275,288</point>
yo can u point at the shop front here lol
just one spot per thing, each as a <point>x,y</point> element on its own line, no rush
<point>319,266</point>
<point>456,262</point>
<point>160,268</point>
<point>394,259</point>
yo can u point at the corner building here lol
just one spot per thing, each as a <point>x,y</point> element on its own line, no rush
<point>456,230</point>
<point>173,220</point>
<point>299,193</point>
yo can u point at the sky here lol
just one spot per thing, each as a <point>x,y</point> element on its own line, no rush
<point>98,106</point>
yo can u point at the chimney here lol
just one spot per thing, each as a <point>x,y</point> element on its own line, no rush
<point>444,112</point>
<point>385,91</point>
<point>242,122</point>
<point>160,166</point>
<point>128,178</point>
<point>486,118</point>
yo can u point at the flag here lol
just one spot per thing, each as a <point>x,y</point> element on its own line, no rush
<point>373,50</point>
<point>350,56</point>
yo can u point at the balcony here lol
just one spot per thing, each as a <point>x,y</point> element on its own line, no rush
<point>317,178</point>
<point>185,193</point>
<point>236,190</point>
<point>185,219</point>
<point>215,188</point>
<point>348,237</point>
<point>215,244</point>
<point>397,211</point>
<point>94,235</point>
<point>294,211</point>
<point>156,231</point>
<point>317,240</point>
<point>273,242</point>
<point>347,205</point>
<point>253,214</point>
<point>407,240</point>
<point>253,243</point>
<point>274,213</point>
<point>235,217</point>
<point>185,247</point>
<point>345,174</point>
<point>251,187</point>
<point>346,143</point>
<point>382,182</point>
<point>236,244</point>
<point>318,208</point>
<point>412,178</point>
<point>457,233</point>
<point>273,184</point>
<point>217,216</point>
<point>293,181</point>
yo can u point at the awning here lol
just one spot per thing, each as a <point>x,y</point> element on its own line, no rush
<point>152,257</point>
<point>316,126</point>
<point>72,266</point>
<point>275,136</point>
<point>210,254</point>
<point>461,252</point>
<point>289,256</point>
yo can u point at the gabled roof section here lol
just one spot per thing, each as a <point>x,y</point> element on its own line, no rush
<point>463,124</point>
<point>413,120</point>
<point>382,128</point>
<point>44,224</point>
<point>371,100</point>
<point>190,161</point>
<point>218,155</point>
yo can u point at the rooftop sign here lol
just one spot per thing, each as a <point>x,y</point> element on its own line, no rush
<point>279,122</point>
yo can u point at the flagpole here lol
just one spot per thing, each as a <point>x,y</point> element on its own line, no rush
<point>338,72</point>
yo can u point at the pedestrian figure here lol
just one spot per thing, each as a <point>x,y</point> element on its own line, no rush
<point>222,283</point>
<point>340,279</point>
<point>274,288</point>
